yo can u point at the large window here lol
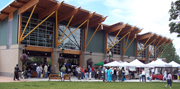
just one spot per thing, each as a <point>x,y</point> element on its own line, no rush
<point>41,36</point>
<point>73,42</point>
<point>151,51</point>
<point>117,48</point>
<point>140,48</point>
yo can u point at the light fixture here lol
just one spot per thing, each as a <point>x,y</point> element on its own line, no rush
<point>90,53</point>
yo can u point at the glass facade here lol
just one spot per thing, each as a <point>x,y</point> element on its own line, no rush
<point>143,53</point>
<point>151,51</point>
<point>117,48</point>
<point>41,36</point>
<point>73,42</point>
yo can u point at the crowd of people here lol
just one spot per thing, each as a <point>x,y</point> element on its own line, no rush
<point>102,73</point>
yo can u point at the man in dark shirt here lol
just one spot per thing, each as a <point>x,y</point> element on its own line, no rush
<point>16,70</point>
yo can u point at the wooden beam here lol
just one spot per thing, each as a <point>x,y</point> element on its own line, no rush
<point>57,28</point>
<point>163,49</point>
<point>129,44</point>
<point>10,16</point>
<point>144,36</point>
<point>5,13</point>
<point>71,52</point>
<point>115,37</point>
<point>26,6</point>
<point>38,48</point>
<point>97,21</point>
<point>106,42</point>
<point>85,35</point>
<point>83,18</point>
<point>93,35</point>
<point>37,26</point>
<point>72,32</point>
<point>115,27</point>
<point>127,30</point>
<point>19,28</point>
<point>28,20</point>
<point>48,11</point>
<point>68,14</point>
<point>14,6</point>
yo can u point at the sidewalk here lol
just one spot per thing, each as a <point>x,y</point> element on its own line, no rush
<point>73,79</point>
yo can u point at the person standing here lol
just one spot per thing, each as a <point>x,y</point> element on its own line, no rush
<point>122,74</point>
<point>99,72</point>
<point>165,75</point>
<point>90,72</point>
<point>93,73</point>
<point>169,80</point>
<point>40,71</point>
<point>143,76</point>
<point>106,72</point>
<point>115,73</point>
<point>82,72</point>
<point>79,72</point>
<point>119,74</point>
<point>16,70</point>
<point>76,71</point>
<point>109,75</point>
<point>86,73</point>
<point>37,70</point>
<point>45,71</point>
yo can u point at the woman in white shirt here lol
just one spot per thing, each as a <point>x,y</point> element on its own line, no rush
<point>169,80</point>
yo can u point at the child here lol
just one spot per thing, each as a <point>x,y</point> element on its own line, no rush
<point>59,73</point>
<point>150,77</point>
<point>140,77</point>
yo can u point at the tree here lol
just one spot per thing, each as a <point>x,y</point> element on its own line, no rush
<point>170,54</point>
<point>175,15</point>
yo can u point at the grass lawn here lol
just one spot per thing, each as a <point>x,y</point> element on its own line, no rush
<point>85,85</point>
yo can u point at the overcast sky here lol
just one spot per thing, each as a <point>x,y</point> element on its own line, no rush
<point>151,15</point>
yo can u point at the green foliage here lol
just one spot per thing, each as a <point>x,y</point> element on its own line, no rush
<point>86,85</point>
<point>36,59</point>
<point>170,53</point>
<point>174,15</point>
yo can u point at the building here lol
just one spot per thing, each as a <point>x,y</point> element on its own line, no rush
<point>49,29</point>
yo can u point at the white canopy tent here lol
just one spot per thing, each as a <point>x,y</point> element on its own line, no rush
<point>158,63</point>
<point>114,63</point>
<point>136,63</point>
<point>174,64</point>
<point>150,64</point>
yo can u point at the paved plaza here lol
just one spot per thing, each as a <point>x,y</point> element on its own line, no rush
<point>73,79</point>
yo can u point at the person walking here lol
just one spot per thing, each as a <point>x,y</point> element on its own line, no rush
<point>169,80</point>
<point>16,70</point>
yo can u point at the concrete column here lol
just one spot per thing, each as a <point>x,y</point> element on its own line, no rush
<point>82,61</point>
<point>55,65</point>
<point>20,52</point>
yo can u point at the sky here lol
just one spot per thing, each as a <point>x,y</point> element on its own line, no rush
<point>149,15</point>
